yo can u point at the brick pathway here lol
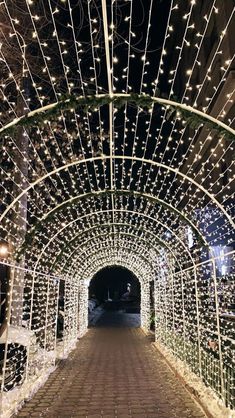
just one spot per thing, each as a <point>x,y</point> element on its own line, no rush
<point>114,372</point>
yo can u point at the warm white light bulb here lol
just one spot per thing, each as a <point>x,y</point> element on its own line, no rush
<point>3,250</point>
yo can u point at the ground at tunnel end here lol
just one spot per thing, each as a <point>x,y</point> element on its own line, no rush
<point>113,373</point>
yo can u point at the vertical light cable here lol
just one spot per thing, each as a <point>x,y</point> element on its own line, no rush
<point>198,322</point>
<point>110,88</point>
<point>218,327</point>
<point>46,323</point>
<point>8,318</point>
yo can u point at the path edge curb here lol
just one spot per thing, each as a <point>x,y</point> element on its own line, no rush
<point>196,394</point>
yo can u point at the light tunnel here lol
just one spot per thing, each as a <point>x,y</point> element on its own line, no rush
<point>117,149</point>
<point>68,237</point>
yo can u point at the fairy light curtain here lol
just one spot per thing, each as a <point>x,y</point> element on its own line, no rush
<point>70,45</point>
<point>112,178</point>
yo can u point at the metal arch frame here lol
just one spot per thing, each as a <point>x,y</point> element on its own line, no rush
<point>72,249</point>
<point>164,102</point>
<point>133,264</point>
<point>122,211</point>
<point>110,234</point>
<point>103,242</point>
<point>132,226</point>
<point>105,262</point>
<point>70,223</point>
<point>123,250</point>
<point>80,244</point>
<point>77,219</point>
<point>112,254</point>
<point>144,272</point>
<point>147,196</point>
<point>118,157</point>
<point>126,266</point>
<point>95,227</point>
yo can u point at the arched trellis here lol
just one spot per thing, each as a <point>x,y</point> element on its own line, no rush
<point>117,256</point>
<point>110,263</point>
<point>121,157</point>
<point>122,224</point>
<point>139,241</point>
<point>141,249</point>
<point>171,114</point>
<point>140,228</point>
<point>109,211</point>
<point>138,264</point>
<point>147,263</point>
<point>145,272</point>
<point>161,242</point>
<point>120,192</point>
<point>94,101</point>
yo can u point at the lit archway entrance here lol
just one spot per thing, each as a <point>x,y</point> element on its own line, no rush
<point>114,298</point>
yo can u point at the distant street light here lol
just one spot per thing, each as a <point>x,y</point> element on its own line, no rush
<point>3,250</point>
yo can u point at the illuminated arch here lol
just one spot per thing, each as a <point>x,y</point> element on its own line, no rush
<point>139,214</point>
<point>111,97</point>
<point>134,236</point>
<point>132,226</point>
<point>120,157</point>
<point>118,192</point>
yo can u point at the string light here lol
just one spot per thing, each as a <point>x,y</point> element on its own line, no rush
<point>105,186</point>
<point>3,250</point>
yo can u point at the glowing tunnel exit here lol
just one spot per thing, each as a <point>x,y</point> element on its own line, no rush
<point>114,298</point>
<point>120,291</point>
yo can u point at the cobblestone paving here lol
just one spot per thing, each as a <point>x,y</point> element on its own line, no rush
<point>118,319</point>
<point>114,372</point>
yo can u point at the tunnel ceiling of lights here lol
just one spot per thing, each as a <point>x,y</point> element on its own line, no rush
<point>115,145</point>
